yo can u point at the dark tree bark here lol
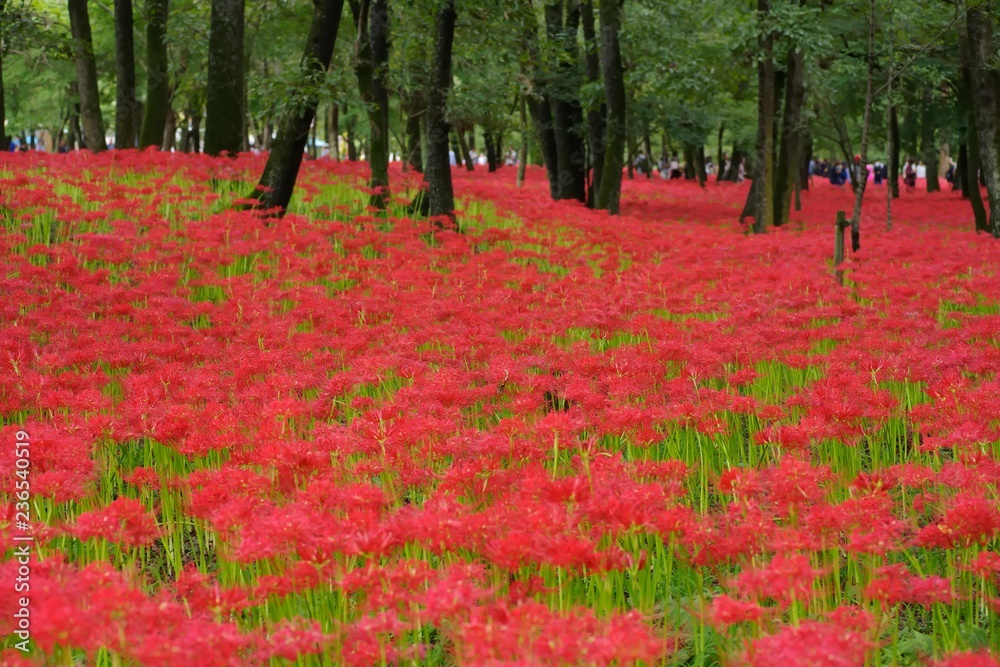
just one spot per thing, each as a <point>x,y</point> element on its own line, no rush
<point>224,108</point>
<point>791,137</point>
<point>282,169</point>
<point>371,66</point>
<point>959,182</point>
<point>463,146</point>
<point>491,151</point>
<point>735,161</point>
<point>4,139</point>
<point>196,131</point>
<point>894,152</point>
<point>861,181</point>
<point>928,145</point>
<point>333,131</point>
<point>970,166</point>
<point>440,194</point>
<point>352,144</point>
<point>609,195</point>
<point>126,106</point>
<point>169,130</point>
<point>157,78</point>
<point>596,114</point>
<point>804,160</point>
<point>764,170</point>
<point>414,107</point>
<point>562,21</point>
<point>720,152</point>
<point>984,105</point>
<point>86,76</point>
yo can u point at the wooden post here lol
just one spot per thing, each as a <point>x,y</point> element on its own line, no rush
<point>838,244</point>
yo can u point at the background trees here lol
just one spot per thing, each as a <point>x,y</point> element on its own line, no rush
<point>774,83</point>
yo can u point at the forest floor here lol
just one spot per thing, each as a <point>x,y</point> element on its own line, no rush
<point>544,437</point>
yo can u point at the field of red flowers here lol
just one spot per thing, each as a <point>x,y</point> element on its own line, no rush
<point>544,437</point>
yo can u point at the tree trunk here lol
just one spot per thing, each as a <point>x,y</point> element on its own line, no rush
<point>169,130</point>
<point>463,146</point>
<point>371,22</point>
<point>804,160</point>
<point>196,131</point>
<point>125,101</point>
<point>491,151</point>
<point>970,166</point>
<point>647,146</point>
<point>333,131</point>
<point>352,144</point>
<point>764,171</point>
<point>157,78</point>
<point>86,76</point>
<point>735,161</point>
<point>609,195</point>
<point>414,110</point>
<point>562,21</point>
<point>791,138</point>
<point>720,152</point>
<point>440,194</point>
<point>699,164</point>
<point>282,169</point>
<point>522,155</point>
<point>4,139</point>
<point>596,114</point>
<point>862,178</point>
<point>224,108</point>
<point>893,157</point>
<point>984,105</point>
<point>928,146</point>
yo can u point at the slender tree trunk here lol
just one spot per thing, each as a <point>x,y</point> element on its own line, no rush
<point>609,195</point>
<point>791,137</point>
<point>928,146</point>
<point>734,169</point>
<point>278,180</point>
<point>86,76</point>
<point>463,146</point>
<point>333,131</point>
<point>4,139</point>
<point>893,151</point>
<point>970,166</point>
<point>440,194</point>
<point>804,160</point>
<point>522,154</point>
<point>764,171</point>
<point>984,105</point>
<point>959,181</point>
<point>126,128</point>
<point>196,130</point>
<point>597,113</point>
<point>378,139</point>
<point>647,146</point>
<point>720,152</point>
<point>491,151</point>
<point>224,108</point>
<point>169,130</point>
<point>862,178</point>
<point>699,164</point>
<point>157,78</point>
<point>562,21</point>
<point>414,111</point>
<point>185,145</point>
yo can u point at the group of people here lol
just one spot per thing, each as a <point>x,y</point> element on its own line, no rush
<point>671,168</point>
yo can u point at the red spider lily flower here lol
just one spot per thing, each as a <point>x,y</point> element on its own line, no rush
<point>124,521</point>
